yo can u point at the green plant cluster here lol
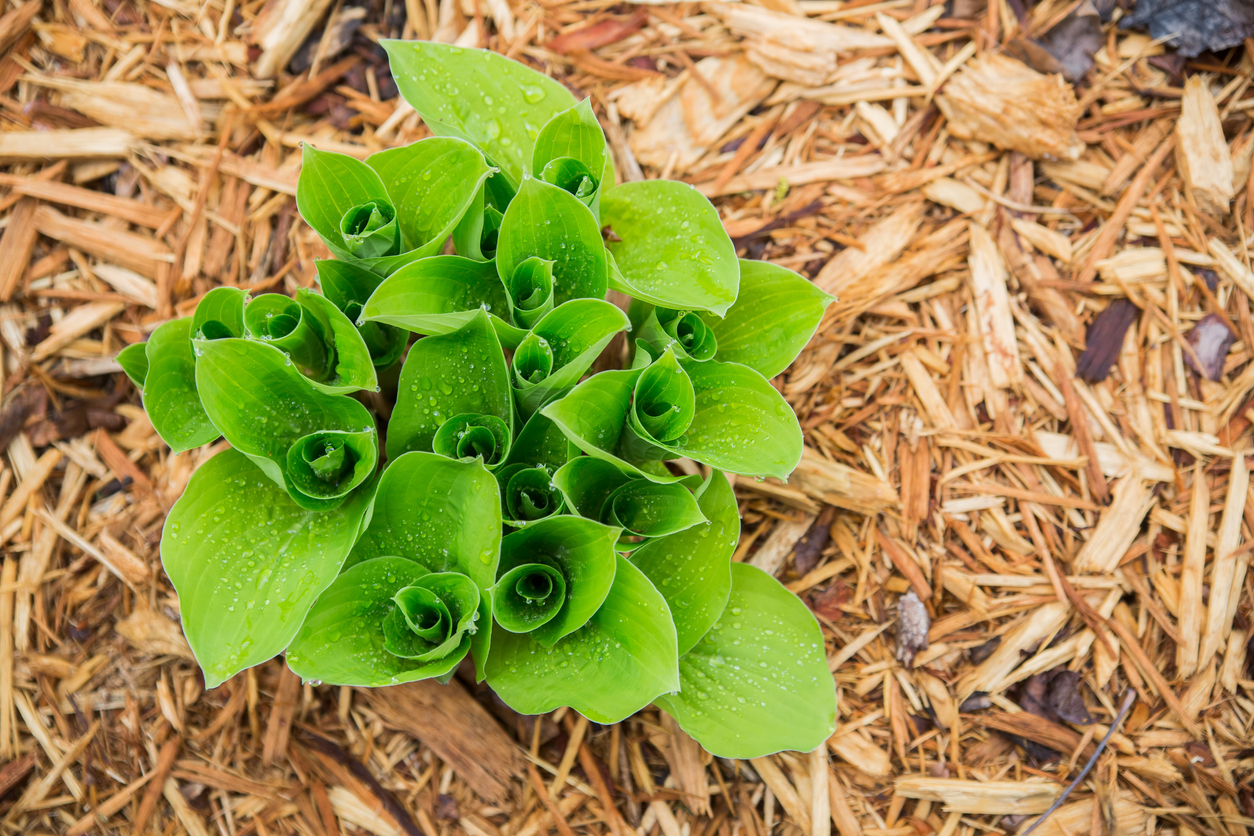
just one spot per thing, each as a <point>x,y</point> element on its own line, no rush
<point>386,510</point>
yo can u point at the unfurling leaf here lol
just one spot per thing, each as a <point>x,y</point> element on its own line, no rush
<point>571,153</point>
<point>247,562</point>
<point>272,414</point>
<point>498,104</point>
<point>618,662</point>
<point>348,286</point>
<point>560,348</point>
<point>758,681</point>
<point>438,295</point>
<point>171,398</point>
<point>447,376</point>
<point>684,332</point>
<point>642,508</point>
<point>362,629</point>
<point>553,576</point>
<point>550,223</point>
<point>774,317</point>
<point>398,206</point>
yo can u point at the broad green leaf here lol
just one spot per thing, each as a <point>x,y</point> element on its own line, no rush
<point>344,640</point>
<point>740,423</point>
<point>568,339</point>
<point>530,290</point>
<point>571,153</point>
<point>171,398</point>
<point>247,562</point>
<point>494,102</point>
<point>692,569</point>
<point>134,361</point>
<point>220,314</point>
<point>348,286</point>
<point>582,551</point>
<point>417,497</point>
<point>597,489</point>
<point>593,416</point>
<point>684,332</point>
<point>613,666</point>
<point>265,407</point>
<point>673,250</point>
<point>440,294</point>
<point>432,183</point>
<point>552,224</point>
<point>459,373</point>
<point>541,443</point>
<point>758,682</point>
<point>775,316</point>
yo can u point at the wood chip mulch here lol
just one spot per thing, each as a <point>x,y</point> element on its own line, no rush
<point>1028,417</point>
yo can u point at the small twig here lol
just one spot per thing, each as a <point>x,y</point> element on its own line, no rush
<point>1128,700</point>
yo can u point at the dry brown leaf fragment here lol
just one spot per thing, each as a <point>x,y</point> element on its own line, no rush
<point>1002,101</point>
<point>1210,339</point>
<point>1104,340</point>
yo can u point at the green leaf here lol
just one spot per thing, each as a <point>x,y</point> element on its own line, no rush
<point>582,552</point>
<point>476,233</point>
<point>417,497</point>
<point>593,416</point>
<point>684,332</point>
<point>431,617</point>
<point>171,398</point>
<point>283,323</point>
<point>486,437</point>
<point>528,596</point>
<point>692,568</point>
<point>440,294</point>
<point>331,186</point>
<point>353,369</point>
<point>541,443</point>
<point>775,316</point>
<point>494,102</point>
<point>599,490</point>
<point>432,183</point>
<point>613,666</point>
<point>561,347</point>
<point>327,465</point>
<point>370,230</point>
<point>552,224</point>
<point>530,290</point>
<point>571,153</point>
<point>739,422</point>
<point>134,361</point>
<point>266,407</point>
<point>459,373</point>
<point>673,250</point>
<point>344,640</point>
<point>758,682</point>
<point>528,494</point>
<point>247,562</point>
<point>220,314</point>
<point>348,286</point>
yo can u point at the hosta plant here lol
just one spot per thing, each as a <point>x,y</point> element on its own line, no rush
<point>421,470</point>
